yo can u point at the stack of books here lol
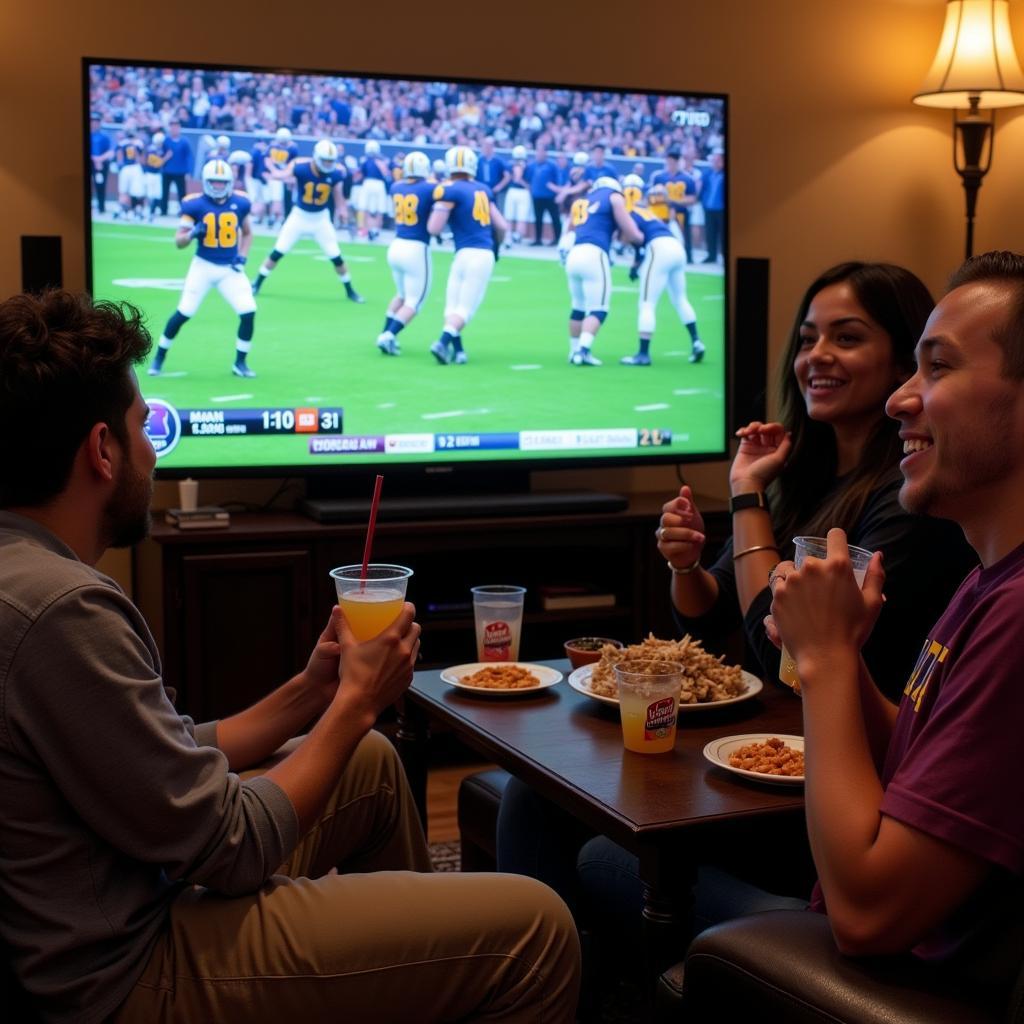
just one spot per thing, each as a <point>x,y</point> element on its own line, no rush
<point>205,517</point>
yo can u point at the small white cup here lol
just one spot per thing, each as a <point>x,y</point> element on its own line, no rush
<point>188,494</point>
<point>498,613</point>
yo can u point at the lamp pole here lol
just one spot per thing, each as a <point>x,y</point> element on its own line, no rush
<point>973,131</point>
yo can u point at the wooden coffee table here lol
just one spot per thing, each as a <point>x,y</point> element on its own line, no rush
<point>665,808</point>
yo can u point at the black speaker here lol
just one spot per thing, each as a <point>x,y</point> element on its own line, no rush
<point>41,266</point>
<point>750,342</point>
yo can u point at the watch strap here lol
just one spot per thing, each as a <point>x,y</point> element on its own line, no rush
<point>751,499</point>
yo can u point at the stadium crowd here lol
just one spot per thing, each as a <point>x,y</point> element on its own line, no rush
<point>417,113</point>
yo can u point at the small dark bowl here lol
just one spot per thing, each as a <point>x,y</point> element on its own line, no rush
<point>585,650</point>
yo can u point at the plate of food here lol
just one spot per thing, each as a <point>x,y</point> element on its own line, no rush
<point>761,756</point>
<point>501,678</point>
<point>707,682</point>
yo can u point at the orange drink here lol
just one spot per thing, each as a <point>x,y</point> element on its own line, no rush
<point>817,547</point>
<point>370,611</point>
<point>371,604</point>
<point>649,704</point>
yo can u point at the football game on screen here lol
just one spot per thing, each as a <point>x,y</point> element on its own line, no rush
<point>341,269</point>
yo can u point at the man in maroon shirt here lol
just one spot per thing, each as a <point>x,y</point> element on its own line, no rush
<point>916,814</point>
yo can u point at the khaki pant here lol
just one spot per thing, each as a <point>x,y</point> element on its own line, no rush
<point>371,943</point>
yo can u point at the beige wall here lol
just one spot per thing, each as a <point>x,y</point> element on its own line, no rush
<point>828,158</point>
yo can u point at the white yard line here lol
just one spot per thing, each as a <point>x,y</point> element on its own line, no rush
<point>451,413</point>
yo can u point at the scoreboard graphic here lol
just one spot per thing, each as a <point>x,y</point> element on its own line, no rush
<point>167,426</point>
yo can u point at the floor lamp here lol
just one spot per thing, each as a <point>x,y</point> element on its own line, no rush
<point>975,67</point>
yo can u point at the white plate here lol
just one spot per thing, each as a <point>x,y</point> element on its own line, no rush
<point>718,753</point>
<point>453,677</point>
<point>580,681</point>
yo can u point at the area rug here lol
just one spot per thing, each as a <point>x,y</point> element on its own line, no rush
<point>445,856</point>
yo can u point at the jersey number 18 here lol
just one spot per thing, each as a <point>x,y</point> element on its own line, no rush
<point>221,230</point>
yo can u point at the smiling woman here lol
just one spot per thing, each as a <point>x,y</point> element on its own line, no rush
<point>833,460</point>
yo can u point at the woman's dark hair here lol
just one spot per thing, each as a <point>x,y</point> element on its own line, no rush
<point>899,303</point>
<point>65,366</point>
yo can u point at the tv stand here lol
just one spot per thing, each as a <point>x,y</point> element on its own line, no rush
<point>460,506</point>
<point>265,579</point>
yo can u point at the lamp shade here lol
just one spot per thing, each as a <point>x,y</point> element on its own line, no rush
<point>976,58</point>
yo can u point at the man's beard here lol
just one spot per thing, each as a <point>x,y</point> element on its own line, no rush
<point>127,516</point>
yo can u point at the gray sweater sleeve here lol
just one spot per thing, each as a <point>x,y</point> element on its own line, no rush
<point>90,705</point>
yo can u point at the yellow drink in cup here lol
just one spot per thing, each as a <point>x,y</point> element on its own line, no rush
<point>371,605</point>
<point>369,612</point>
<point>649,704</point>
<point>817,547</point>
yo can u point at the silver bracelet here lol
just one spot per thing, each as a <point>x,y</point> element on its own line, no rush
<point>756,547</point>
<point>687,570</point>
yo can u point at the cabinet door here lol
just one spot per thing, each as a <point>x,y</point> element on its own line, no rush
<point>245,627</point>
<point>601,556</point>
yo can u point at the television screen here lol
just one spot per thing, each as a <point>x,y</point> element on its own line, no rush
<point>346,270</point>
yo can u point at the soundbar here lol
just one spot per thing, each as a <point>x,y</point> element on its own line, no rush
<point>463,506</point>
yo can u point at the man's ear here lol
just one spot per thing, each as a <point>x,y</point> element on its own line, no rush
<point>99,451</point>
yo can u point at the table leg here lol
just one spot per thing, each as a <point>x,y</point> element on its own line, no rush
<point>412,741</point>
<point>669,877</point>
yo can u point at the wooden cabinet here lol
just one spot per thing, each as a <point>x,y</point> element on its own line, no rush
<point>236,611</point>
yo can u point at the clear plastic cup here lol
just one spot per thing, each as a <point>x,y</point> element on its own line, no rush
<point>498,614</point>
<point>817,547</point>
<point>649,704</point>
<point>371,605</point>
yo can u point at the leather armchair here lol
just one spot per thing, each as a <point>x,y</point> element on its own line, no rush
<point>784,967</point>
<point>479,800</point>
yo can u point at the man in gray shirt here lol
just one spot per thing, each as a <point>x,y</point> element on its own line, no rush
<point>141,878</point>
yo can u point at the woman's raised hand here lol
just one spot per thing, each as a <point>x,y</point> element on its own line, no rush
<point>764,448</point>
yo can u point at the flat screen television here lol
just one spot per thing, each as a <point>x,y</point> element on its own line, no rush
<point>328,396</point>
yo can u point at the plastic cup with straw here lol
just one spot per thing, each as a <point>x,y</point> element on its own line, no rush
<point>371,594</point>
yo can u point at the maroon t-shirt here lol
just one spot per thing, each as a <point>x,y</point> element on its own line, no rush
<point>953,768</point>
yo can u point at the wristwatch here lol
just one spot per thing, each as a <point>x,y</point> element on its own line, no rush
<point>752,499</point>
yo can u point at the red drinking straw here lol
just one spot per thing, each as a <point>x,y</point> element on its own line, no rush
<point>369,530</point>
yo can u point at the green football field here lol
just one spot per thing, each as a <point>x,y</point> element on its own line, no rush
<point>312,347</point>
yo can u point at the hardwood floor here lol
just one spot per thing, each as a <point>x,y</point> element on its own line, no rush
<point>442,795</point>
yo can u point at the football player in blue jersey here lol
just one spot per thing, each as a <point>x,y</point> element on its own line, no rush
<point>259,190</point>
<point>279,156</point>
<point>681,189</point>
<point>518,204</point>
<point>594,219</point>
<point>131,183</point>
<point>153,162</point>
<point>577,185</point>
<point>315,181</point>
<point>409,253</point>
<point>217,219</point>
<point>632,191</point>
<point>663,266</point>
<point>374,178</point>
<point>468,208</point>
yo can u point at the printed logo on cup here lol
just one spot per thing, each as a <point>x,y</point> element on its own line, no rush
<point>497,641</point>
<point>660,718</point>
